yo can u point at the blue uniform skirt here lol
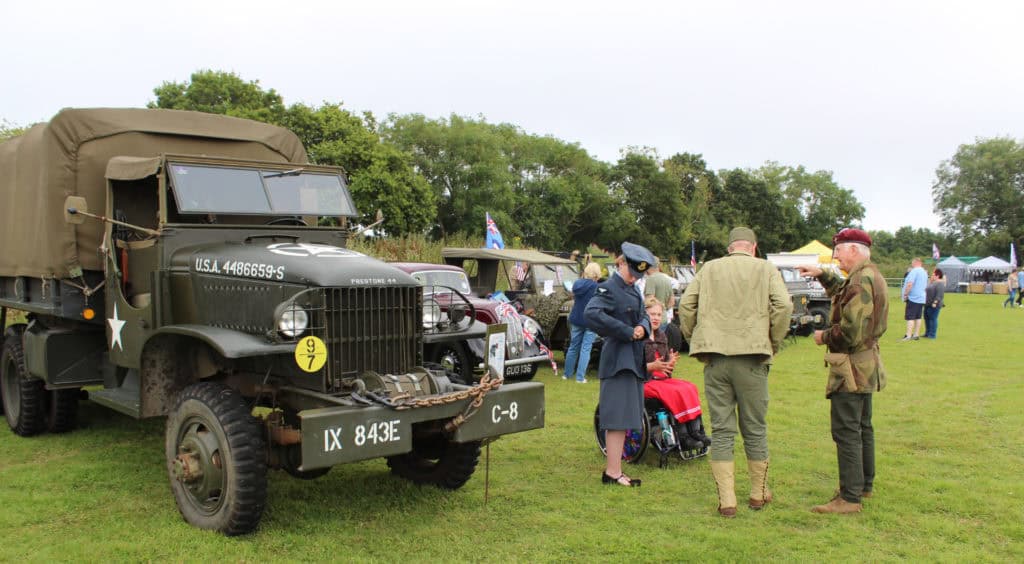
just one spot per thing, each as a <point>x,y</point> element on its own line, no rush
<point>622,402</point>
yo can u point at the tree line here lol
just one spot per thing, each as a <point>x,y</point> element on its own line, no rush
<point>438,176</point>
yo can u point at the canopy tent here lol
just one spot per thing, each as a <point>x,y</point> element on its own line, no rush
<point>955,271</point>
<point>817,248</point>
<point>990,264</point>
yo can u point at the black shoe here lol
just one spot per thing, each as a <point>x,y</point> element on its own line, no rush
<point>606,479</point>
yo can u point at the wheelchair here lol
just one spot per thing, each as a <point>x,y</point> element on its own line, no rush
<point>674,441</point>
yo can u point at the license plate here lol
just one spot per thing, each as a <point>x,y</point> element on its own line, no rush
<point>517,370</point>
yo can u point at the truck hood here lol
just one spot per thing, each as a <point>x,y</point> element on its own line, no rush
<point>307,264</point>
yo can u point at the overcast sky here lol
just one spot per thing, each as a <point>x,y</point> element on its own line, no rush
<point>879,93</point>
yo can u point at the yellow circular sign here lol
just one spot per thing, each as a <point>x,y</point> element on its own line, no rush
<point>310,354</point>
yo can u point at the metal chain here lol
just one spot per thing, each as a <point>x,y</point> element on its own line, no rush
<point>477,392</point>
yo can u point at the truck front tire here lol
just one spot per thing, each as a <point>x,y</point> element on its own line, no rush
<point>437,462</point>
<point>216,459</point>
<point>24,397</point>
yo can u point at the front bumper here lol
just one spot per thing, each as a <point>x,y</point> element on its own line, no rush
<point>341,434</point>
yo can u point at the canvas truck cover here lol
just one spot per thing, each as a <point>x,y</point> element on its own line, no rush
<point>68,157</point>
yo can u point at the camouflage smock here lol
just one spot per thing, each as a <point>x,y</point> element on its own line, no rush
<point>860,308</point>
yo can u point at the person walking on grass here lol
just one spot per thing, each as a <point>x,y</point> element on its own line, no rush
<point>735,315</point>
<point>1020,285</point>
<point>616,313</point>
<point>860,308</point>
<point>913,294</point>
<point>1012,286</point>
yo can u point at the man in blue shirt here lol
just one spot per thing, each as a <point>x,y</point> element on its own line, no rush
<point>1020,280</point>
<point>914,286</point>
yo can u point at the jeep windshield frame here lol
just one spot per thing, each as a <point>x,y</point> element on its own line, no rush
<point>202,188</point>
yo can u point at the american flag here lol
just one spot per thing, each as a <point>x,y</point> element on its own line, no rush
<point>520,271</point>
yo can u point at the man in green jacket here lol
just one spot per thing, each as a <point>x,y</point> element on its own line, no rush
<point>735,315</point>
<point>860,308</point>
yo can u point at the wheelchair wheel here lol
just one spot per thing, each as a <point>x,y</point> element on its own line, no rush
<point>636,439</point>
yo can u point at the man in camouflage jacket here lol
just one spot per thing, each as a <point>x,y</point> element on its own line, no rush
<point>859,312</point>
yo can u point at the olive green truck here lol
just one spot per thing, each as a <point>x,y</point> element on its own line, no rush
<point>176,264</point>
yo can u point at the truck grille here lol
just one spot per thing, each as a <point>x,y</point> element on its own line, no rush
<point>377,328</point>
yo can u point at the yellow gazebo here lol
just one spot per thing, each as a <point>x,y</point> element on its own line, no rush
<point>816,247</point>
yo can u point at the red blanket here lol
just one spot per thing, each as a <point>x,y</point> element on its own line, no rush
<point>679,396</point>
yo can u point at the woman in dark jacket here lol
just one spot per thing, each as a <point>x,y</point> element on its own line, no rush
<point>616,312</point>
<point>933,296</point>
<point>577,358</point>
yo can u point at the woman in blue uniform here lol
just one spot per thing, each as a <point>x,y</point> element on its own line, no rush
<point>617,313</point>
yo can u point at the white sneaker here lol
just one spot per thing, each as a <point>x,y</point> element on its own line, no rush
<point>583,381</point>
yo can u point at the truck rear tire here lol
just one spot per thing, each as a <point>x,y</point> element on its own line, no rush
<point>216,459</point>
<point>62,414</point>
<point>24,397</point>
<point>438,462</point>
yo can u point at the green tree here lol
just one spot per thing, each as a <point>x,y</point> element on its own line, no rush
<point>701,189</point>
<point>979,194</point>
<point>540,190</point>
<point>7,130</point>
<point>381,176</point>
<point>655,199</point>
<point>219,92</point>
<point>752,201</point>
<point>823,205</point>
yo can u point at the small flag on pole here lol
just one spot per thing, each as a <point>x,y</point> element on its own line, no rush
<point>1013,257</point>
<point>494,240</point>
<point>693,254</point>
<point>935,251</point>
<point>520,271</point>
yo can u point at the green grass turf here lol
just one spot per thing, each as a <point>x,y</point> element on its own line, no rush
<point>950,450</point>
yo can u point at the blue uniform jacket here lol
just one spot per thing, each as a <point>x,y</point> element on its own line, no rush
<point>612,313</point>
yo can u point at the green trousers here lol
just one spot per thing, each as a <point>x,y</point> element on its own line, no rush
<point>855,443</point>
<point>736,388</point>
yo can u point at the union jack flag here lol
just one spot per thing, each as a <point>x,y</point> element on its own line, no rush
<point>530,338</point>
<point>693,254</point>
<point>520,271</point>
<point>507,310</point>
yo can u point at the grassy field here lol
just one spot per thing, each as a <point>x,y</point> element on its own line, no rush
<point>950,432</point>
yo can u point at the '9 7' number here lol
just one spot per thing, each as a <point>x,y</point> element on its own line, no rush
<point>377,433</point>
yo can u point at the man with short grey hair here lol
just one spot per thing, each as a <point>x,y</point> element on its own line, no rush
<point>860,309</point>
<point>735,315</point>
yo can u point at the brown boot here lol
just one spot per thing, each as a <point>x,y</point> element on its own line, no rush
<point>864,495</point>
<point>760,495</point>
<point>724,473</point>
<point>837,505</point>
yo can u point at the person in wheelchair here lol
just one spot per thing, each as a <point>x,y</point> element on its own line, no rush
<point>679,397</point>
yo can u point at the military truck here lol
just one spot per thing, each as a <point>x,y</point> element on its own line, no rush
<point>205,289</point>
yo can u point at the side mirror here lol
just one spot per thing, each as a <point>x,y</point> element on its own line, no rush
<point>73,205</point>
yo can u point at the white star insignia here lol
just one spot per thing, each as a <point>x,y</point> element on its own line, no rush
<point>115,330</point>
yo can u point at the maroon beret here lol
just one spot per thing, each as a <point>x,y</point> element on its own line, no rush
<point>852,235</point>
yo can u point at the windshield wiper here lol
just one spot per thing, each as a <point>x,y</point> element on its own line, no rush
<point>293,172</point>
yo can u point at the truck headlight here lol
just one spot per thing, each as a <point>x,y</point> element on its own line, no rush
<point>293,321</point>
<point>431,314</point>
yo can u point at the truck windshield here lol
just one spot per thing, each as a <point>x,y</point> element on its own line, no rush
<point>215,189</point>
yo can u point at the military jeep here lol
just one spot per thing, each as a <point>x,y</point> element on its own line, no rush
<point>537,283</point>
<point>206,289</point>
